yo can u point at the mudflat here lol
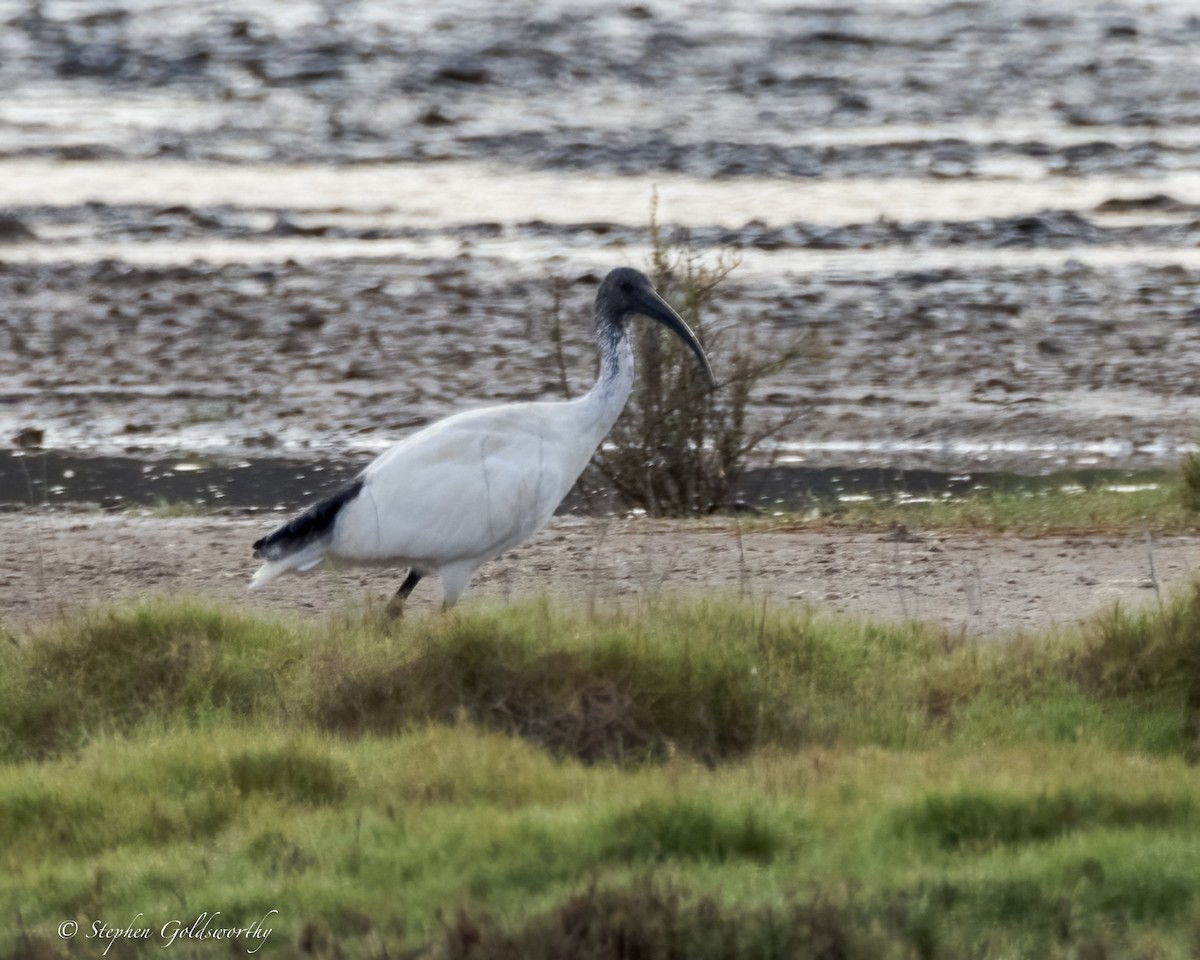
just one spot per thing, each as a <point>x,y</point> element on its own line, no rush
<point>310,230</point>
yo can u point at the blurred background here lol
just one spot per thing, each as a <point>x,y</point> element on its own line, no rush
<point>238,237</point>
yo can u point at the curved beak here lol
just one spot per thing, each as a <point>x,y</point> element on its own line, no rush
<point>650,304</point>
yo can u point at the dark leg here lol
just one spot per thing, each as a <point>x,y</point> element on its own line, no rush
<point>395,606</point>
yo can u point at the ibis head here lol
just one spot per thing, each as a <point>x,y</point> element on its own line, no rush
<point>626,293</point>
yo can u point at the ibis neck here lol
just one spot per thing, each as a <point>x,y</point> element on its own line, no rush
<point>615,382</point>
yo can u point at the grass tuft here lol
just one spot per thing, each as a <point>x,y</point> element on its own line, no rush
<point>290,774</point>
<point>1189,487</point>
<point>654,924</point>
<point>658,830</point>
<point>1150,654</point>
<point>593,692</point>
<point>110,671</point>
<point>1144,651</point>
<point>974,819</point>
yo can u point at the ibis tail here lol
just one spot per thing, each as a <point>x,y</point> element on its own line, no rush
<point>300,543</point>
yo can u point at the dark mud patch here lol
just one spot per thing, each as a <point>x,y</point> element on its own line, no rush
<point>100,223</point>
<point>51,478</point>
<point>1049,229</point>
<point>924,156</point>
<point>55,478</point>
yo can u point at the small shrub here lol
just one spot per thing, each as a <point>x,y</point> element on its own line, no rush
<point>1189,490</point>
<point>680,449</point>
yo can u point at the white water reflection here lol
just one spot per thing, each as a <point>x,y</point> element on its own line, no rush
<point>463,192</point>
<point>439,197</point>
<point>533,256</point>
<point>979,451</point>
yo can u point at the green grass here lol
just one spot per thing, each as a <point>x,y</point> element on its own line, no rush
<point>174,509</point>
<point>1062,504</point>
<point>678,781</point>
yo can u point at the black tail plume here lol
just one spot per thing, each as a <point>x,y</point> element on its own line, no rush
<point>315,523</point>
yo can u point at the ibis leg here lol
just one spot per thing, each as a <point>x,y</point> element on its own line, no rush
<point>395,606</point>
<point>455,578</point>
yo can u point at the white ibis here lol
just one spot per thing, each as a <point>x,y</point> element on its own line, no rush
<point>466,489</point>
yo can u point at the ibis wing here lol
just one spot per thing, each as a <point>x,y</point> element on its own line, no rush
<point>469,487</point>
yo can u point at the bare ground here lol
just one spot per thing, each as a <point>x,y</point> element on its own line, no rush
<point>980,584</point>
<point>1040,361</point>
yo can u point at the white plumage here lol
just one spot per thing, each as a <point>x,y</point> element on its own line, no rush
<point>466,489</point>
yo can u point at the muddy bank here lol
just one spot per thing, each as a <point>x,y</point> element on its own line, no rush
<point>1025,369</point>
<point>977,585</point>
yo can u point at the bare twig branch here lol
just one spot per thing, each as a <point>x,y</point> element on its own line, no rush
<point>678,448</point>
